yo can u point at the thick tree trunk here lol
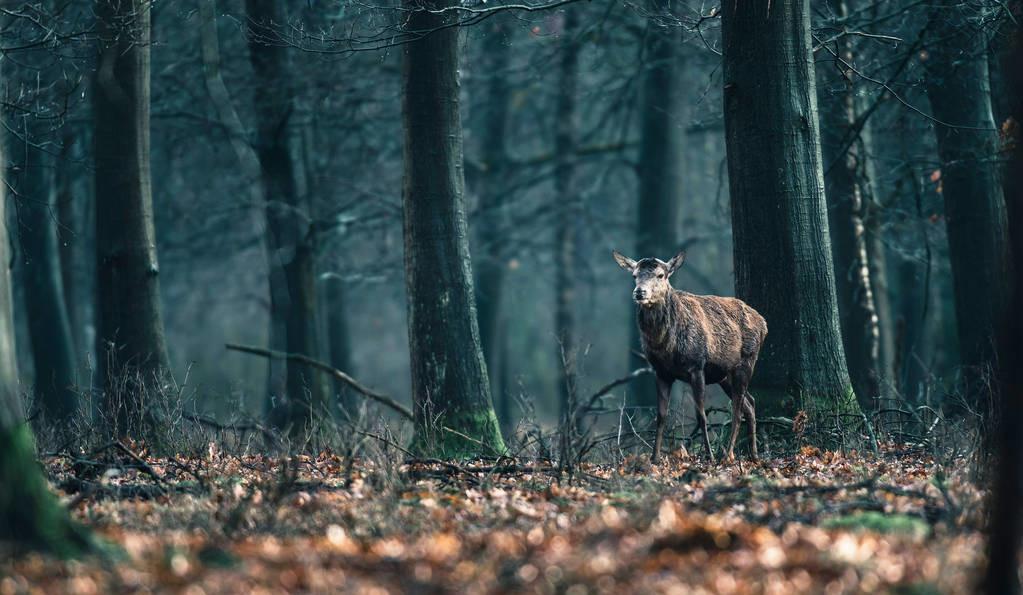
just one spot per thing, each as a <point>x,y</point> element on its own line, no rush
<point>1005,522</point>
<point>30,516</point>
<point>959,93</point>
<point>290,242</point>
<point>569,211</point>
<point>130,333</point>
<point>454,415</point>
<point>661,159</point>
<point>49,330</point>
<point>782,249</point>
<point>489,263</point>
<point>844,186</point>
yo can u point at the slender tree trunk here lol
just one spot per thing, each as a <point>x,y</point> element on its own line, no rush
<point>69,235</point>
<point>130,333</point>
<point>337,337</point>
<point>454,415</point>
<point>959,93</point>
<point>490,263</point>
<point>782,248</point>
<point>290,240</point>
<point>844,166</point>
<point>569,210</point>
<point>661,160</point>
<point>49,330</point>
<point>30,516</point>
<point>877,259</point>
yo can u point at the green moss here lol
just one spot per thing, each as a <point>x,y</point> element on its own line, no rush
<point>30,515</point>
<point>460,435</point>
<point>892,524</point>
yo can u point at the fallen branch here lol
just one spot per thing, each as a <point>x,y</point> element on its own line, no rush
<point>615,384</point>
<point>221,427</point>
<point>338,374</point>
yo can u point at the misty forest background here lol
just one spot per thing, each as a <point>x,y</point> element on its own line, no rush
<point>585,128</point>
<point>249,241</point>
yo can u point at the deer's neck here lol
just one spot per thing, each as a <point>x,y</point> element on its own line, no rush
<point>656,323</point>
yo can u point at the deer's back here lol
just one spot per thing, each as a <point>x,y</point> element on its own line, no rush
<point>719,333</point>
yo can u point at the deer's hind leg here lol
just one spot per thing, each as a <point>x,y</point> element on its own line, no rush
<point>749,410</point>
<point>736,389</point>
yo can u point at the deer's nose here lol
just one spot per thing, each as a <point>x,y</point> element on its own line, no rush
<point>638,293</point>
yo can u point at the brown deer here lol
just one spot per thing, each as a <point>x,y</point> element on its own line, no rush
<point>699,339</point>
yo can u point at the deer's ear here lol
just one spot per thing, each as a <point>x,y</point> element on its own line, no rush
<point>624,261</point>
<point>675,263</point>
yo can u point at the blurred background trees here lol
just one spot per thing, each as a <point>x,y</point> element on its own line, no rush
<point>259,148</point>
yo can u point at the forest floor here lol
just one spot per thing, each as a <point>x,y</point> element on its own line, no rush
<point>817,521</point>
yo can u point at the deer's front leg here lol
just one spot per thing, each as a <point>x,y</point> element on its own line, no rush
<point>699,388</point>
<point>663,399</point>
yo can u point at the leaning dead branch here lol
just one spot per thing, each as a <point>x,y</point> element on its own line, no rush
<point>338,374</point>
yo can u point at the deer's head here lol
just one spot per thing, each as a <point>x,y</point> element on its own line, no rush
<point>652,277</point>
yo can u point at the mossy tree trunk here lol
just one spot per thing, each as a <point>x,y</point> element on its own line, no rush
<point>782,248</point>
<point>130,333</point>
<point>975,219</point>
<point>454,416</point>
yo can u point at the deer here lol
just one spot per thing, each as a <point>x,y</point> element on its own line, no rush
<point>697,339</point>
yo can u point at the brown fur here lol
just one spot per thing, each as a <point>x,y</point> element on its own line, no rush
<point>697,339</point>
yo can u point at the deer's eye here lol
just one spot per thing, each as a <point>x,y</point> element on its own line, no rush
<point>660,275</point>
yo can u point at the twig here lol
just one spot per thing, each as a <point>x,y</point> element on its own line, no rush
<point>338,374</point>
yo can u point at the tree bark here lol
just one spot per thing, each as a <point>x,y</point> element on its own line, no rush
<point>130,333</point>
<point>569,210</point>
<point>959,92</point>
<point>454,415</point>
<point>1005,523</point>
<point>290,240</point>
<point>30,516</point>
<point>49,330</point>
<point>844,186</point>
<point>661,161</point>
<point>781,243</point>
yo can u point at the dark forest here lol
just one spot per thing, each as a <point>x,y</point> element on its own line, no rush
<point>553,296</point>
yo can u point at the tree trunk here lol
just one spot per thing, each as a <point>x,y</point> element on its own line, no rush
<point>490,262</point>
<point>782,249</point>
<point>290,240</point>
<point>846,200</point>
<point>69,234</point>
<point>1005,523</point>
<point>877,259</point>
<point>454,415</point>
<point>958,90</point>
<point>337,338</point>
<point>49,330</point>
<point>130,333</point>
<point>661,159</point>
<point>569,210</point>
<point>30,516</point>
